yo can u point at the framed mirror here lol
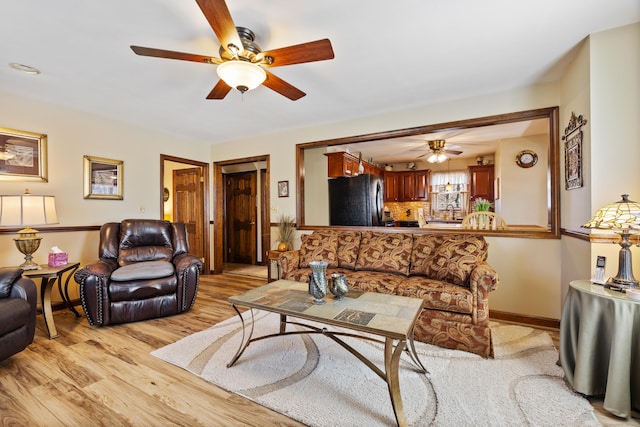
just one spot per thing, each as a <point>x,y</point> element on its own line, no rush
<point>527,198</point>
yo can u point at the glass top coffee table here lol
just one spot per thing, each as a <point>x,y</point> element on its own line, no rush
<point>391,317</point>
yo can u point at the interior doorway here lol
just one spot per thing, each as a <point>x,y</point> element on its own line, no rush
<point>242,229</point>
<point>184,198</point>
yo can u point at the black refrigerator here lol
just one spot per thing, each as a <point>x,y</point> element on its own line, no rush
<point>357,200</point>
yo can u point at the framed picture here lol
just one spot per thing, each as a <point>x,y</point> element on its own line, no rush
<point>23,155</point>
<point>283,188</point>
<point>573,161</point>
<point>103,178</point>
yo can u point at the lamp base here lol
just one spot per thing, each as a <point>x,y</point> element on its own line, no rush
<point>29,265</point>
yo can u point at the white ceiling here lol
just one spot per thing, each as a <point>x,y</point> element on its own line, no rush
<point>388,56</point>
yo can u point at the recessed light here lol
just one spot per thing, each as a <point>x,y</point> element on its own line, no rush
<point>24,68</point>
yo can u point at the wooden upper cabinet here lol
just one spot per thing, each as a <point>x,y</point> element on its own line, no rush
<point>481,182</point>
<point>421,185</point>
<point>392,186</point>
<point>406,186</point>
<point>346,164</point>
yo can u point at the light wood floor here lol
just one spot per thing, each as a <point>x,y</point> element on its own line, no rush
<point>105,376</point>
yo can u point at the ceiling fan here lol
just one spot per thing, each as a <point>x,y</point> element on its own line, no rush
<point>437,151</point>
<point>242,63</point>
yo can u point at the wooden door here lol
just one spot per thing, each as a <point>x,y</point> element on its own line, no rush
<point>240,196</point>
<point>188,207</point>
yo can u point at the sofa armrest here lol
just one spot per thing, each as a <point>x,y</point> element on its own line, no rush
<point>288,262</point>
<point>483,280</point>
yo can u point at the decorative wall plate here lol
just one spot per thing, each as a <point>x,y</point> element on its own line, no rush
<point>526,158</point>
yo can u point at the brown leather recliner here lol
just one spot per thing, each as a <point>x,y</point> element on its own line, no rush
<point>145,271</point>
<point>17,312</point>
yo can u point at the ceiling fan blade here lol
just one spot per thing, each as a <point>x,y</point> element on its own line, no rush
<point>219,91</point>
<point>454,152</point>
<point>170,54</point>
<point>219,18</point>
<point>319,50</point>
<point>283,88</point>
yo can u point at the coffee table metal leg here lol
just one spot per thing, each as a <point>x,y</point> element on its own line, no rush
<point>414,355</point>
<point>391,363</point>
<point>243,343</point>
<point>283,323</point>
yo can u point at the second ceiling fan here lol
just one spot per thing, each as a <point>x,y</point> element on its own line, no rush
<point>242,63</point>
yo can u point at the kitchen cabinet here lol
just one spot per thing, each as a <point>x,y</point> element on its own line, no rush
<point>481,184</point>
<point>391,187</point>
<point>406,186</point>
<point>346,164</point>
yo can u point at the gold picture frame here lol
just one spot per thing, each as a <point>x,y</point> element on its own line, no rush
<point>23,155</point>
<point>103,178</point>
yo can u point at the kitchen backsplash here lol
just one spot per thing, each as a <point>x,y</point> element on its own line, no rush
<point>401,211</point>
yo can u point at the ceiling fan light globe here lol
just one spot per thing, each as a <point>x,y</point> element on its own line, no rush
<point>241,75</point>
<point>436,158</point>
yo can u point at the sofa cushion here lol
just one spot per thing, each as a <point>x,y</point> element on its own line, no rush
<point>438,295</point>
<point>386,252</point>
<point>424,249</point>
<point>348,247</point>
<point>142,271</point>
<point>456,258</point>
<point>321,245</point>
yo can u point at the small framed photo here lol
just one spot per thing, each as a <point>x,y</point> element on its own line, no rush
<point>23,155</point>
<point>103,178</point>
<point>283,188</point>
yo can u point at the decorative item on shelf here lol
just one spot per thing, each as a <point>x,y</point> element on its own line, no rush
<point>339,286</point>
<point>622,217</point>
<point>286,232</point>
<point>27,210</point>
<point>318,281</point>
<point>360,165</point>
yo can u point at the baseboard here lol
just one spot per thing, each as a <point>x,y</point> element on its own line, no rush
<point>542,322</point>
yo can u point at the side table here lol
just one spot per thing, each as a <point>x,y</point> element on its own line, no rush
<point>49,276</point>
<point>599,345</point>
<point>272,256</point>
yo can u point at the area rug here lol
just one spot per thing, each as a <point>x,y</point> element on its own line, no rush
<point>313,380</point>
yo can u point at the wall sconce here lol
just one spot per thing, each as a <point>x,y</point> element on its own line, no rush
<point>620,217</point>
<point>27,210</point>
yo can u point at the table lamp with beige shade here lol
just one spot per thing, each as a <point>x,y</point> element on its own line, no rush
<point>622,217</point>
<point>27,210</point>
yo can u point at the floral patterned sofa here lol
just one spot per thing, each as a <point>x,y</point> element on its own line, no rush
<point>448,271</point>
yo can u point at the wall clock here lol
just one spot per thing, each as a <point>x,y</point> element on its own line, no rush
<point>526,158</point>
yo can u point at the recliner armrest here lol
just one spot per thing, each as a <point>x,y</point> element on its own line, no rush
<point>102,268</point>
<point>183,261</point>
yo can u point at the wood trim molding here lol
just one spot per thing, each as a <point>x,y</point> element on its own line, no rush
<point>582,235</point>
<point>542,322</point>
<point>14,230</point>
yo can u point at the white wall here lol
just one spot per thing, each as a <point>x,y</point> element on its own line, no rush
<point>72,134</point>
<point>539,287</point>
